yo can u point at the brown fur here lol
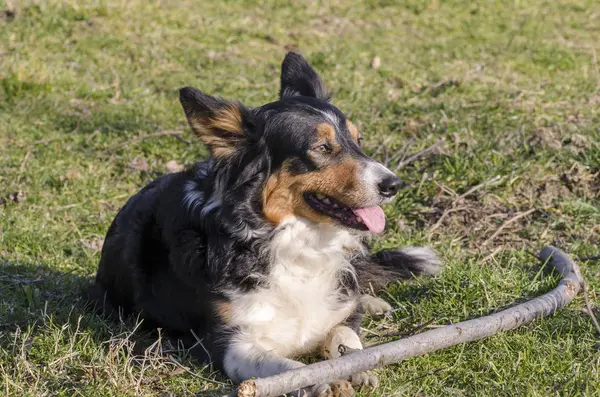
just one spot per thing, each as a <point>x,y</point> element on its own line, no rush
<point>224,310</point>
<point>219,132</point>
<point>326,133</point>
<point>283,193</point>
<point>353,130</point>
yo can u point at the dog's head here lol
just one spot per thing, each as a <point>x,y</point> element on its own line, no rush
<point>314,166</point>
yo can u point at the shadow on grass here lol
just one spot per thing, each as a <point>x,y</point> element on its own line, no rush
<point>49,331</point>
<point>33,296</point>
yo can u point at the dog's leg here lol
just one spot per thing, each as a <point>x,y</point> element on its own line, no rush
<point>374,306</point>
<point>342,335</point>
<point>245,360</point>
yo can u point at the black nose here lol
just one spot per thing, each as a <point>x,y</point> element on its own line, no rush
<point>390,185</point>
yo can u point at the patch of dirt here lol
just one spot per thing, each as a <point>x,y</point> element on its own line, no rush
<point>549,138</point>
<point>581,181</point>
<point>476,217</point>
<point>577,143</point>
<point>544,137</point>
<point>547,189</point>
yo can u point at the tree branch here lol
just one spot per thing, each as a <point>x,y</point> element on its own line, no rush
<point>417,345</point>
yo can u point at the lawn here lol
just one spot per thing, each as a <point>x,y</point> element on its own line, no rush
<point>89,114</point>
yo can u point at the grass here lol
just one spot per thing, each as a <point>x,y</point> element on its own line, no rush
<point>511,88</point>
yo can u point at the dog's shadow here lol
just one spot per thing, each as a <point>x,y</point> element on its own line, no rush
<point>42,306</point>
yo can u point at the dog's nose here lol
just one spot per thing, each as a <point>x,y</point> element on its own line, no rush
<point>390,185</point>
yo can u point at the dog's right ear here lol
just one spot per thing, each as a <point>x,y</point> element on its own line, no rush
<point>220,124</point>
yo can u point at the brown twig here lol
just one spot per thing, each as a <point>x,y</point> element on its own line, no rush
<point>173,133</point>
<point>428,150</point>
<point>588,306</point>
<point>505,224</point>
<point>386,157</point>
<point>410,332</point>
<point>435,371</point>
<point>491,255</point>
<point>477,187</point>
<point>46,140</point>
<point>180,138</point>
<point>444,215</point>
<point>589,258</point>
<point>426,342</point>
<point>380,147</point>
<point>400,154</point>
<point>24,162</point>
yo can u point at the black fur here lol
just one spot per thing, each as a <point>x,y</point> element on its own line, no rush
<point>179,245</point>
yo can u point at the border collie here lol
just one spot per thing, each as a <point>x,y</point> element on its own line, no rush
<point>258,252</point>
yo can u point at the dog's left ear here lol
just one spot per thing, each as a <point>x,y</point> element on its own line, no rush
<point>220,124</point>
<point>299,78</point>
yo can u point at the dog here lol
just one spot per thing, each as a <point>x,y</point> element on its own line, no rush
<point>259,251</point>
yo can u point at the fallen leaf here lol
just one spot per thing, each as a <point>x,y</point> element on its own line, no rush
<point>139,163</point>
<point>376,62</point>
<point>73,173</point>
<point>174,166</point>
<point>94,244</point>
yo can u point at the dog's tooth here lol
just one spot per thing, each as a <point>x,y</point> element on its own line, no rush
<point>327,201</point>
<point>335,205</point>
<point>319,196</point>
<point>358,219</point>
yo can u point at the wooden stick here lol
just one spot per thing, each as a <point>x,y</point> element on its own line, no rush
<point>429,341</point>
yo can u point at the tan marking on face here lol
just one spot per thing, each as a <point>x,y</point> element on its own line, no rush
<point>221,132</point>
<point>353,130</point>
<point>224,311</point>
<point>326,132</point>
<point>283,194</point>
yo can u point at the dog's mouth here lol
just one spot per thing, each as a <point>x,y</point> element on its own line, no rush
<point>365,218</point>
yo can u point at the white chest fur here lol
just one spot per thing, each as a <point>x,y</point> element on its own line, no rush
<point>301,301</point>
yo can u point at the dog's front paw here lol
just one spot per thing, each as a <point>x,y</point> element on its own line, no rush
<point>374,306</point>
<point>336,388</point>
<point>365,379</point>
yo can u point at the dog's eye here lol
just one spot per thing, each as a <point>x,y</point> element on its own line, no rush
<point>324,148</point>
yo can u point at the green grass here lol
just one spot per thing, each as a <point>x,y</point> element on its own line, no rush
<point>512,89</point>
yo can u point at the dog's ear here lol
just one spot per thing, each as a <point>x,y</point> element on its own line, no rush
<point>299,78</point>
<point>221,125</point>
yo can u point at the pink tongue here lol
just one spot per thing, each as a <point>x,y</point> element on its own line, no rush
<point>373,217</point>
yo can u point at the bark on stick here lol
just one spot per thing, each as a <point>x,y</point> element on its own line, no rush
<point>426,342</point>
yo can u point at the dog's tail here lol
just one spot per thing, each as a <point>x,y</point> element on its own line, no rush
<point>378,270</point>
